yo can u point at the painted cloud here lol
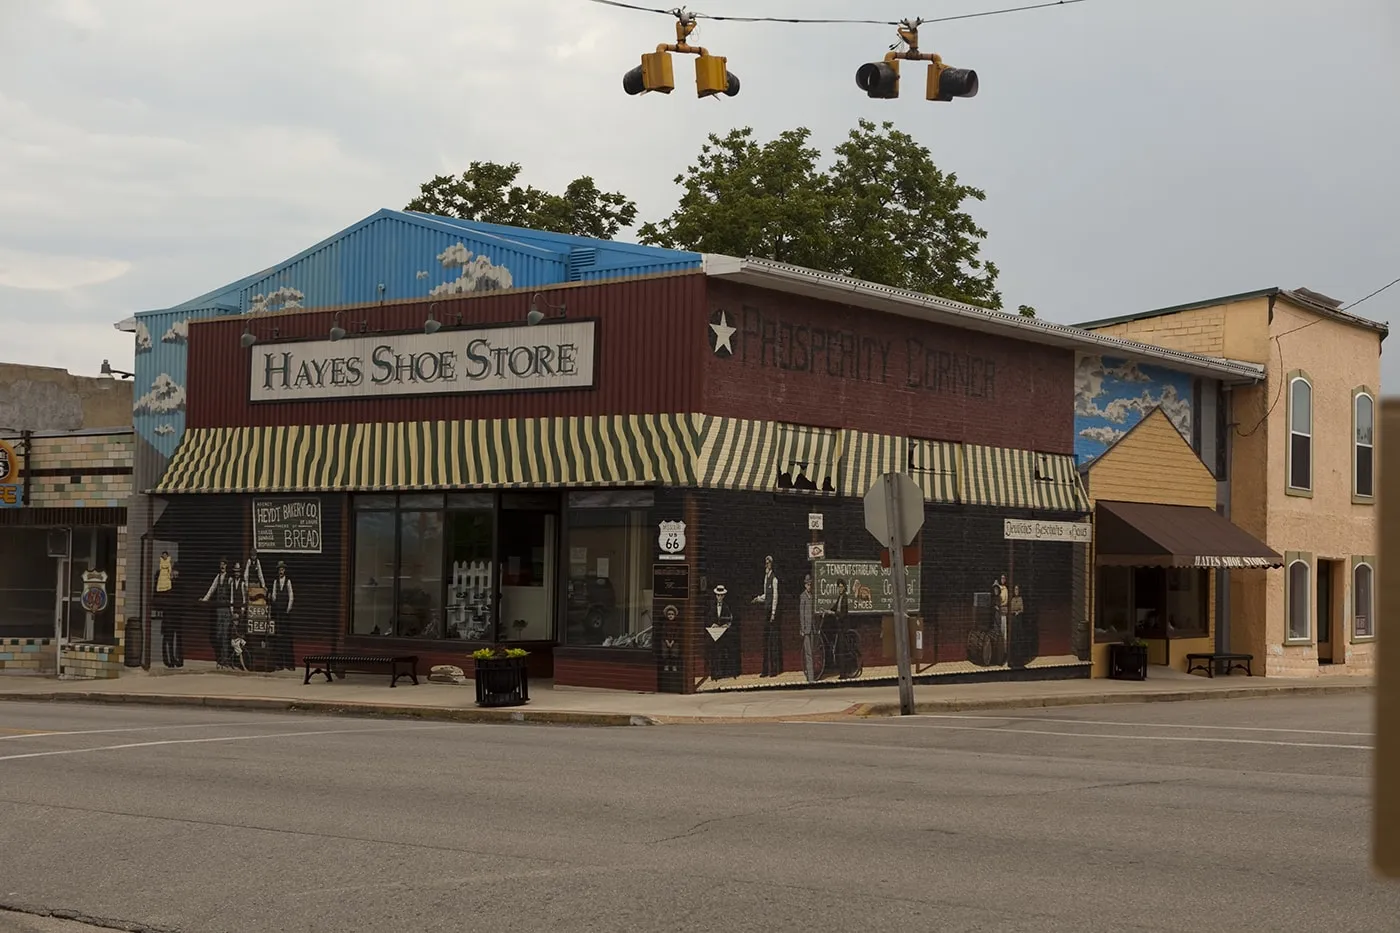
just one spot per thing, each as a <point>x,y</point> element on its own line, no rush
<point>280,299</point>
<point>1112,396</point>
<point>166,396</point>
<point>179,332</point>
<point>475,273</point>
<point>143,337</point>
<point>164,429</point>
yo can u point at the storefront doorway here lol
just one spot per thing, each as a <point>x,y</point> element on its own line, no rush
<point>1326,627</point>
<point>528,554</point>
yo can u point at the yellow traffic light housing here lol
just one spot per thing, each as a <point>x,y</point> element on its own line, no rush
<point>656,73</point>
<point>881,79</point>
<point>945,82</point>
<point>712,77</point>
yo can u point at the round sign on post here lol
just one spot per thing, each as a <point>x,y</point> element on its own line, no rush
<point>909,501</point>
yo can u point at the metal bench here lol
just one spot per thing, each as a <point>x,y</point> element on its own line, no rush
<point>1205,661</point>
<point>339,664</point>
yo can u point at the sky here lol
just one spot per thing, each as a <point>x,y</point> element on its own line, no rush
<point>1135,153</point>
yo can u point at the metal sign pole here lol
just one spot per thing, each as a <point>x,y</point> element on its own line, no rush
<point>893,511</point>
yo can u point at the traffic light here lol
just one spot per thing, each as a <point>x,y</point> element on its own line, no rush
<point>711,77</point>
<point>945,83</point>
<point>655,73</point>
<point>879,79</point>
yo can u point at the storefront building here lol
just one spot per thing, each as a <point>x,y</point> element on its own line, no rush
<point>62,530</point>
<point>1299,460</point>
<point>389,257</point>
<point>651,484</point>
<point>1161,549</point>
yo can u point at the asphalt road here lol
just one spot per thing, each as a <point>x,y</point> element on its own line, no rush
<point>1204,816</point>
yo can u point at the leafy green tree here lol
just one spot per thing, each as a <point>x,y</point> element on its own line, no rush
<point>487,192</point>
<point>1026,311</point>
<point>883,211</point>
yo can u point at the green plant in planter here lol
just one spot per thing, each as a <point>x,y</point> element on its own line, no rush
<point>487,654</point>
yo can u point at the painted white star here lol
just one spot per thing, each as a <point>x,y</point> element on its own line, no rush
<point>724,334</point>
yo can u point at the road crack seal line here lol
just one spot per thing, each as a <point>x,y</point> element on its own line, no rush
<point>706,824</point>
<point>77,916</point>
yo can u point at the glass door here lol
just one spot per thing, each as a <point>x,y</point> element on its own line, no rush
<point>529,531</point>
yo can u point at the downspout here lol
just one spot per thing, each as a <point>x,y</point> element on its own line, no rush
<point>26,441</point>
<point>1222,576</point>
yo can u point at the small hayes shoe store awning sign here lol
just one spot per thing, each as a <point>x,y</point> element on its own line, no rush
<point>486,359</point>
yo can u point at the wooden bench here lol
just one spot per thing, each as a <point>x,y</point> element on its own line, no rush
<point>1205,661</point>
<point>339,664</point>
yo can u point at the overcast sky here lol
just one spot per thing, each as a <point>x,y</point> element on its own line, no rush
<point>1135,153</point>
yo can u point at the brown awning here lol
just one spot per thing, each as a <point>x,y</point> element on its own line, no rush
<point>1140,534</point>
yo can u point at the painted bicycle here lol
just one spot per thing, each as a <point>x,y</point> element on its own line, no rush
<point>840,651</point>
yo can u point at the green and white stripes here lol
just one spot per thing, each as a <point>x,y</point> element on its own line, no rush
<point>620,450</point>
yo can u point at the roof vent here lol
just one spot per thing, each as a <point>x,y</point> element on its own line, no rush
<point>1318,298</point>
<point>580,259</point>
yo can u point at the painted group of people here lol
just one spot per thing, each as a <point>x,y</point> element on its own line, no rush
<point>724,657</point>
<point>247,610</point>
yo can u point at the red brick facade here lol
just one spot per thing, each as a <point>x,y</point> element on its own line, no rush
<point>830,365</point>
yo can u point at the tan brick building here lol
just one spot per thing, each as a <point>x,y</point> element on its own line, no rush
<point>65,479</point>
<point>1299,468</point>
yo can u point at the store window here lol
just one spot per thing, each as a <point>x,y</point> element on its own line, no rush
<point>1300,403</point>
<point>1363,431</point>
<point>1363,599</point>
<point>28,584</point>
<point>1299,600</point>
<point>1153,602</point>
<point>424,566</point>
<point>610,574</point>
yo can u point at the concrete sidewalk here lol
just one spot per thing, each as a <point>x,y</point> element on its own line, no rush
<point>368,695</point>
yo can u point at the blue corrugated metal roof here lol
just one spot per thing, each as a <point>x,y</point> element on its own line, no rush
<point>390,256</point>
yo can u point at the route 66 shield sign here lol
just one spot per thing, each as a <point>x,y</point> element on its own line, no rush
<point>94,598</point>
<point>672,537</point>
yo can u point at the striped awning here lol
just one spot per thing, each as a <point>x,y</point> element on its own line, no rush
<point>752,455</point>
<point>867,457</point>
<point>623,450</point>
<point>1058,485</point>
<point>1000,477</point>
<point>934,466</point>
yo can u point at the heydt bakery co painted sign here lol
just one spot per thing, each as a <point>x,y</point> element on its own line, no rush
<point>488,359</point>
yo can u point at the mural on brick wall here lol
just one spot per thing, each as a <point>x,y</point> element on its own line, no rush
<point>249,583</point>
<point>978,602</point>
<point>1111,396</point>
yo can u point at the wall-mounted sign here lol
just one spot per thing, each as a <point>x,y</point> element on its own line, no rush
<point>11,494</point>
<point>671,540</point>
<point>814,521</point>
<point>670,581</point>
<point>1030,530</point>
<point>816,551</point>
<point>287,526</point>
<point>94,598</point>
<point>486,359</point>
<point>869,587</point>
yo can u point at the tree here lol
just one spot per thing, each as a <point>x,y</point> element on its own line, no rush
<point>486,192</point>
<point>1026,311</point>
<point>882,212</point>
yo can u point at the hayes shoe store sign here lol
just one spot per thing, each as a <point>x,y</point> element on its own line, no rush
<point>489,359</point>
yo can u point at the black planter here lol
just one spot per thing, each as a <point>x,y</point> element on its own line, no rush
<point>502,682</point>
<point>1127,662</point>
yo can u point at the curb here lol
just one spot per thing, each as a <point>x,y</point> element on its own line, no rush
<point>875,710</point>
<point>329,708</point>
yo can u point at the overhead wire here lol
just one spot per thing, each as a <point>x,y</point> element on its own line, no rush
<point>798,20</point>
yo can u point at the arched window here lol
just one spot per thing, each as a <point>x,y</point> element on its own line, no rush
<point>1300,404</point>
<point>1299,600</point>
<point>1363,611</point>
<point>1364,439</point>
